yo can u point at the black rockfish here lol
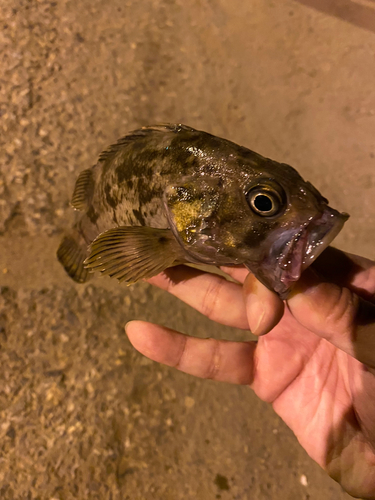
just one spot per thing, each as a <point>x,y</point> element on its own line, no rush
<point>169,194</point>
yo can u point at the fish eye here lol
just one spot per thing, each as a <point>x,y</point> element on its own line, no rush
<point>265,201</point>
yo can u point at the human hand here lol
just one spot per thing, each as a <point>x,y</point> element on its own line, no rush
<point>316,365</point>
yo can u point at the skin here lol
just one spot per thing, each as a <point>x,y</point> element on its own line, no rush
<point>202,189</point>
<point>314,360</point>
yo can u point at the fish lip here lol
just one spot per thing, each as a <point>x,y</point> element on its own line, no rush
<point>307,244</point>
<point>324,230</point>
<point>293,250</point>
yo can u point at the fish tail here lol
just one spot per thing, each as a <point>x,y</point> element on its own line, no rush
<point>71,254</point>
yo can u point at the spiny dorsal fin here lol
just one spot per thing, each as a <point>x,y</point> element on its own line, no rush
<point>131,253</point>
<point>83,190</point>
<point>140,134</point>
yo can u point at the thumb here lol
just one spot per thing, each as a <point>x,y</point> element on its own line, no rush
<point>264,308</point>
<point>336,314</point>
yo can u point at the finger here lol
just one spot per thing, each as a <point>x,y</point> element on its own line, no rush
<point>210,294</point>
<point>238,273</point>
<point>336,314</point>
<point>206,358</point>
<point>264,308</point>
<point>345,269</point>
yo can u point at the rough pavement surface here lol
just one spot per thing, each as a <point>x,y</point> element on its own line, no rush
<point>82,415</point>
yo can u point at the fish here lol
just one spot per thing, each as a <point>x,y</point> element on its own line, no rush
<point>169,194</point>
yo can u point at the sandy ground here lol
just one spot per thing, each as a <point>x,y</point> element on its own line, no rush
<point>82,415</point>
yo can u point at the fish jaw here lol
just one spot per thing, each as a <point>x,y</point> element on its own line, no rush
<point>294,250</point>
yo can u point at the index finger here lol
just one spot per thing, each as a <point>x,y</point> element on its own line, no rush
<point>210,294</point>
<point>347,270</point>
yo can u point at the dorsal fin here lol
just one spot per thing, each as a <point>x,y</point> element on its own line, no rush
<point>83,190</point>
<point>140,134</point>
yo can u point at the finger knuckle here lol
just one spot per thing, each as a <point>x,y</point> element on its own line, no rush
<point>211,298</point>
<point>342,308</point>
<point>181,355</point>
<point>213,367</point>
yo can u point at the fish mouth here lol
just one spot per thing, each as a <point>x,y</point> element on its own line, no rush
<point>294,251</point>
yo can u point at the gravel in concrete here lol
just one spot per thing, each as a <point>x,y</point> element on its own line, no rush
<point>82,415</point>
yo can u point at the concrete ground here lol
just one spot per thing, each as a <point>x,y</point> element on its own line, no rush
<point>82,415</point>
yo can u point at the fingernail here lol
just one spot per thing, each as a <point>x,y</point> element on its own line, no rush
<point>127,325</point>
<point>256,315</point>
<point>264,308</point>
<point>254,307</point>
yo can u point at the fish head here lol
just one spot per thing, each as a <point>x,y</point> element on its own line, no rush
<point>268,219</point>
<point>298,224</point>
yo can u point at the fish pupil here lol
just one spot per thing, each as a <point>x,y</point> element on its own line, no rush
<point>263,203</point>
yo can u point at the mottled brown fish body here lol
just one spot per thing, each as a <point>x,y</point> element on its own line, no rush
<point>170,194</point>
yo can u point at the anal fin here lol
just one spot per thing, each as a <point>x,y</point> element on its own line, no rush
<point>131,253</point>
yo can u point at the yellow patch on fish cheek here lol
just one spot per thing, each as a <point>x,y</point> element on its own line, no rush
<point>186,213</point>
<point>230,241</point>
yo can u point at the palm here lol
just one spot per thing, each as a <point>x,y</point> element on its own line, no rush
<point>318,391</point>
<point>324,394</point>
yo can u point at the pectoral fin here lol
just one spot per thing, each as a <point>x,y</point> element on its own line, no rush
<point>131,253</point>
